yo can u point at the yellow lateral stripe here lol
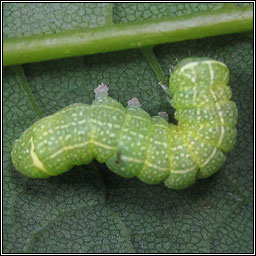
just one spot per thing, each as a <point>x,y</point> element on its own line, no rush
<point>66,148</point>
<point>134,160</point>
<point>36,161</point>
<point>183,171</point>
<point>220,114</point>
<point>222,132</point>
<point>103,145</point>
<point>155,166</point>
<point>131,159</point>
<point>209,158</point>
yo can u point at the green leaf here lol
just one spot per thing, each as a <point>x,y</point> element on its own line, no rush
<point>73,42</point>
<point>90,209</point>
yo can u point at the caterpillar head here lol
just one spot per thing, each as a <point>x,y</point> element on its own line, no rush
<point>202,72</point>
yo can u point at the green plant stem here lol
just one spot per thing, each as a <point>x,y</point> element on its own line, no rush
<point>25,87</point>
<point>125,36</point>
<point>154,63</point>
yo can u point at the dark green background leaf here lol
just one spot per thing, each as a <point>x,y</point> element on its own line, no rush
<point>90,209</point>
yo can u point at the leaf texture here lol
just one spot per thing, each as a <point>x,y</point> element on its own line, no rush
<point>90,209</point>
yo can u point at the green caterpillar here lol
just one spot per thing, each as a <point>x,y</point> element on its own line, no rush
<point>134,144</point>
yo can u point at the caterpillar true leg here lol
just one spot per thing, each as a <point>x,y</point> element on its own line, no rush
<point>134,102</point>
<point>101,91</point>
<point>167,91</point>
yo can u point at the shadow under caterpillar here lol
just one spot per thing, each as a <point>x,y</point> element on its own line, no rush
<point>134,144</point>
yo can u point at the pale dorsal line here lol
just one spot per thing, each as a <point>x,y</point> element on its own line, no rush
<point>189,66</point>
<point>209,158</point>
<point>222,133</point>
<point>36,161</point>
<point>221,118</point>
<point>195,63</point>
<point>211,73</point>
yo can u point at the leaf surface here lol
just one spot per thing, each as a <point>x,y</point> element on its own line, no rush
<point>90,209</point>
